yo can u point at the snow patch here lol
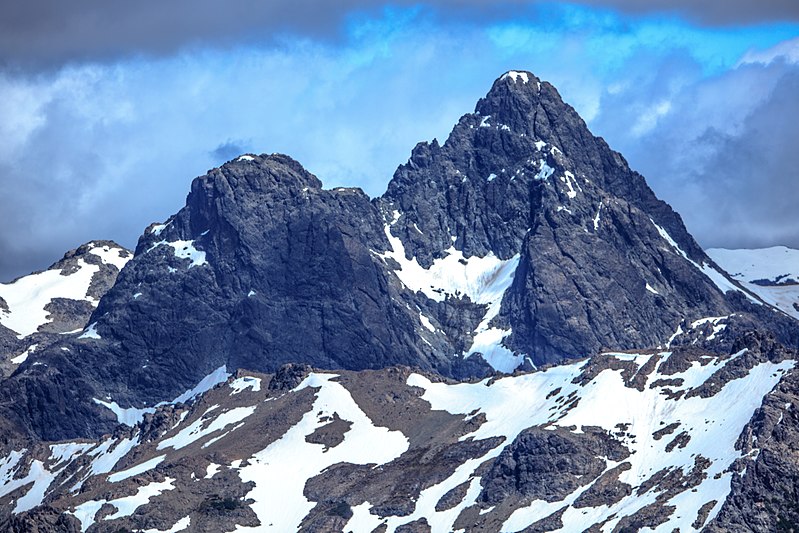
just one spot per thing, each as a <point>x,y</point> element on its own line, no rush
<point>596,219</point>
<point>28,296</point>
<point>483,280</point>
<point>37,474</point>
<point>544,172</point>
<point>775,264</point>
<point>111,256</point>
<point>125,506</point>
<point>205,426</point>
<point>181,525</point>
<point>243,383</point>
<point>136,470</point>
<point>515,76</point>
<point>65,452</point>
<point>280,470</point>
<point>220,375</point>
<point>211,470</point>
<point>771,273</point>
<point>568,179</point>
<point>715,321</point>
<point>91,332</point>
<point>106,455</point>
<point>426,323</point>
<point>21,358</point>
<point>184,250</point>
<point>130,416</point>
<point>158,228</point>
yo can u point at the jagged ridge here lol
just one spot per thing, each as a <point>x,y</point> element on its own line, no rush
<point>523,240</point>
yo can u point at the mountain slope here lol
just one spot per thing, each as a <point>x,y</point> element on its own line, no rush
<point>31,303</point>
<point>624,440</point>
<point>602,262</point>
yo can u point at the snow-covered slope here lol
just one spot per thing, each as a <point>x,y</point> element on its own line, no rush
<point>647,441</point>
<point>25,302</point>
<point>484,280</point>
<point>771,273</point>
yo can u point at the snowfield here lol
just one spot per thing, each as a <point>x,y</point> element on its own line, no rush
<point>483,280</point>
<point>280,471</point>
<point>771,273</point>
<point>28,296</point>
<point>713,424</point>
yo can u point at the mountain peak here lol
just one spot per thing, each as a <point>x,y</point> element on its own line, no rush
<point>516,82</point>
<point>521,101</point>
<point>263,171</point>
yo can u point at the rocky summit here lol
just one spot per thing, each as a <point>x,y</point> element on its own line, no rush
<point>518,335</point>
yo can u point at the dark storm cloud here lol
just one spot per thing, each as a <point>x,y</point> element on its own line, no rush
<point>51,32</point>
<point>46,33</point>
<point>228,150</point>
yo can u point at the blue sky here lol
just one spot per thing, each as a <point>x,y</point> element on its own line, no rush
<point>102,136</point>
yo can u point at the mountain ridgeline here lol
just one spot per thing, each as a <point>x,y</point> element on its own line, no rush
<point>523,240</point>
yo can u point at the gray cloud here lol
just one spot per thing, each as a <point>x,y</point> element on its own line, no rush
<point>47,33</point>
<point>228,150</point>
<point>756,174</point>
<point>50,32</point>
<point>722,151</point>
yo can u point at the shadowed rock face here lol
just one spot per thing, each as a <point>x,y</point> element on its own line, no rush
<point>287,276</point>
<point>549,465</point>
<point>263,267</point>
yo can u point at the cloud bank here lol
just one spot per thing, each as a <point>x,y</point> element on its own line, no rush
<point>46,33</point>
<point>721,150</point>
<point>100,149</point>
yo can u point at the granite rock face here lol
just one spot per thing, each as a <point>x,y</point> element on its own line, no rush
<point>522,240</point>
